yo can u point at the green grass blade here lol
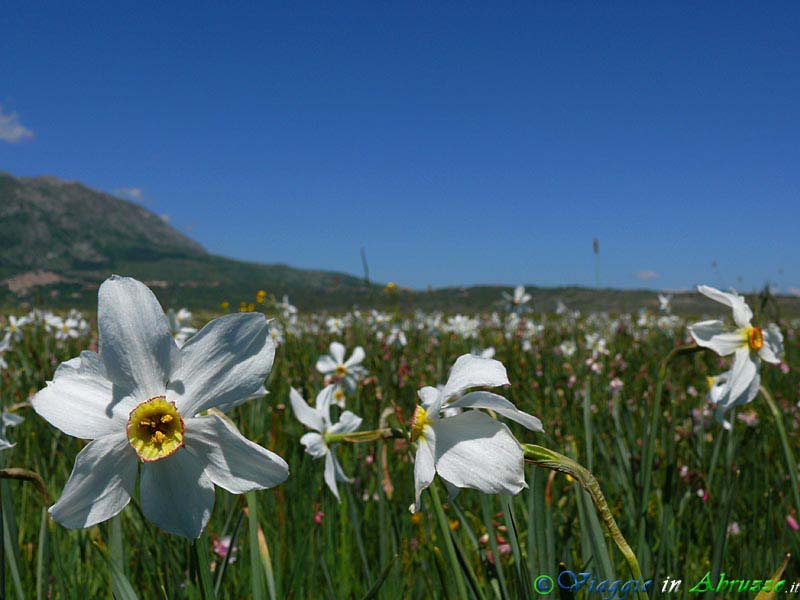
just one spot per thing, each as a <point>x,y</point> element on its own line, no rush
<point>122,589</point>
<point>10,540</point>
<point>200,549</point>
<point>43,557</point>
<point>373,591</point>
<point>257,584</point>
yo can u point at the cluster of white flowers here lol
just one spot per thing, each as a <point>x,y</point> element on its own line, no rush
<point>152,401</point>
<point>73,325</point>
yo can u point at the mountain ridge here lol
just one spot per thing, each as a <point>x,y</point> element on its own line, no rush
<point>60,239</point>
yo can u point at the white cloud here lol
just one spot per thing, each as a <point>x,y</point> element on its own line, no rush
<point>794,291</point>
<point>648,275</point>
<point>11,130</point>
<point>132,193</point>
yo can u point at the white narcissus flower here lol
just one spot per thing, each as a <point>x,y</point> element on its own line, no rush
<point>664,302</point>
<point>469,449</point>
<point>516,302</point>
<point>139,401</point>
<point>567,348</point>
<point>15,325</point>
<point>319,419</point>
<point>396,337</point>
<point>348,372</point>
<point>180,325</point>
<point>749,345</point>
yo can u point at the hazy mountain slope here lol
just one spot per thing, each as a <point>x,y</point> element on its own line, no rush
<point>60,239</point>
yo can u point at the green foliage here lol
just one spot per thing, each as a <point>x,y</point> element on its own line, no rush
<point>370,546</point>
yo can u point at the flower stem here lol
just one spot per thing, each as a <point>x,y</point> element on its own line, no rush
<point>26,475</point>
<point>451,551</point>
<point>791,463</point>
<point>544,457</point>
<point>648,450</point>
<point>361,437</point>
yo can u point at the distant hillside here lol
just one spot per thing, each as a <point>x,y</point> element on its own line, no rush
<point>60,239</point>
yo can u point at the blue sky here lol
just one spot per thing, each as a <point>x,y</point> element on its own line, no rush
<point>459,146</point>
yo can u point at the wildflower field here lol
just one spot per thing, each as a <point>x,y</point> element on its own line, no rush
<point>655,447</point>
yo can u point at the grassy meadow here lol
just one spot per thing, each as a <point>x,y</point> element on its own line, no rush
<point>688,496</point>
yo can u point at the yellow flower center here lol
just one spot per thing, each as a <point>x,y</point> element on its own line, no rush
<point>338,394</point>
<point>341,371</point>
<point>711,382</point>
<point>155,429</point>
<point>419,421</point>
<point>755,338</point>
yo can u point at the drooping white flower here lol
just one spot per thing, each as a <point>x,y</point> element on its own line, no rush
<point>8,419</point>
<point>139,401</point>
<point>335,368</point>
<point>517,301</point>
<point>469,449</point>
<point>749,345</point>
<point>319,419</point>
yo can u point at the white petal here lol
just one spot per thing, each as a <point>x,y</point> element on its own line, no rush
<point>135,342</point>
<point>499,405</point>
<point>473,371</point>
<point>741,312</point>
<point>716,336</point>
<point>304,413</point>
<point>100,485</point>
<point>325,364</point>
<point>223,365</point>
<point>452,491</point>
<point>772,350</point>
<point>725,402</point>
<point>79,400</point>
<point>717,387</point>
<point>428,395</point>
<point>739,387</point>
<point>323,403</point>
<point>337,351</point>
<point>339,472</point>
<point>330,474</point>
<point>10,419</point>
<point>424,469</point>
<point>233,462</point>
<point>176,494</point>
<point>475,451</point>
<point>315,444</point>
<point>348,422</point>
<point>357,357</point>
